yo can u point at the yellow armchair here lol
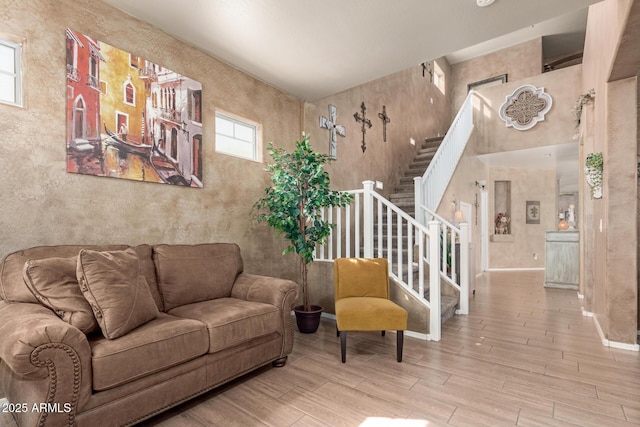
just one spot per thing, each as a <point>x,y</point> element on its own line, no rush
<point>362,300</point>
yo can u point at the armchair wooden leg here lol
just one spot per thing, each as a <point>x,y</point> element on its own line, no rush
<point>383,332</point>
<point>343,345</point>
<point>337,331</point>
<point>400,343</point>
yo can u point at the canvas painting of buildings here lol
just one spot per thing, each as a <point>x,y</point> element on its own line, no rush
<point>130,118</point>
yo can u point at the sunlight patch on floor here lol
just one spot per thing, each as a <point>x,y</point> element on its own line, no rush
<point>393,422</point>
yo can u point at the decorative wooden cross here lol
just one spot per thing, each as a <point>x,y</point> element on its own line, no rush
<point>365,122</point>
<point>385,120</point>
<point>334,129</point>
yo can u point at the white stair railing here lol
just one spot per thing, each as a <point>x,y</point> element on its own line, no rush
<point>451,238</point>
<point>431,186</point>
<point>410,246</point>
<point>429,190</point>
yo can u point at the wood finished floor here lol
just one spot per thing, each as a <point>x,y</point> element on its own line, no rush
<point>523,356</point>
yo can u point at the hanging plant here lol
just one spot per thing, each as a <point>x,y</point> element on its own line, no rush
<point>593,171</point>
<point>580,103</point>
<point>577,110</point>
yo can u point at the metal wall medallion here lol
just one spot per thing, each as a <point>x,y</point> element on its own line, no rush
<point>525,107</point>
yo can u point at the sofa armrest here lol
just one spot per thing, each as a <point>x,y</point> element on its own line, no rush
<point>49,360</point>
<point>270,290</point>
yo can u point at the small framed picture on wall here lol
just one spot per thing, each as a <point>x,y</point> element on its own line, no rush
<point>533,212</point>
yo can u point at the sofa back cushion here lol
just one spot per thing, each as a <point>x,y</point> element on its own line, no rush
<point>14,289</point>
<point>12,286</point>
<point>194,273</point>
<point>113,284</point>
<point>53,282</point>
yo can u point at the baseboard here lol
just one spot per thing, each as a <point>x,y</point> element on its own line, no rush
<point>517,269</point>
<point>419,335</point>
<point>328,315</point>
<point>613,344</point>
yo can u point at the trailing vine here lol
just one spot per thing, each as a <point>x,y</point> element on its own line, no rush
<point>580,103</point>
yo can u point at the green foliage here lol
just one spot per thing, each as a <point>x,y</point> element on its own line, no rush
<point>293,204</point>
<point>594,160</point>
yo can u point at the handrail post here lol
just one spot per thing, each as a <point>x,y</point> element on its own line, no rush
<point>435,320</point>
<point>464,268</point>
<point>417,191</point>
<point>367,222</point>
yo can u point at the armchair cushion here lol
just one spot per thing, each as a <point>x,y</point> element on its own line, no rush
<point>361,277</point>
<point>54,284</point>
<point>194,273</point>
<point>369,314</point>
<point>116,289</point>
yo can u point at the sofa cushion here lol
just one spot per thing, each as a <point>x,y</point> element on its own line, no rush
<point>193,273</point>
<point>148,269</point>
<point>163,342</point>
<point>53,282</point>
<point>231,321</point>
<point>116,289</point>
<point>12,285</point>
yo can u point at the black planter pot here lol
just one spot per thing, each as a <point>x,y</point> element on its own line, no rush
<point>308,321</point>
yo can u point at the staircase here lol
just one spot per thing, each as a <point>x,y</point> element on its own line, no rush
<point>404,198</point>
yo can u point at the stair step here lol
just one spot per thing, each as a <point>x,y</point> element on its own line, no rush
<point>432,142</point>
<point>402,195</point>
<point>425,153</point>
<point>447,307</point>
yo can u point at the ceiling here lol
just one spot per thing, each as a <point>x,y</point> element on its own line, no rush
<point>315,48</point>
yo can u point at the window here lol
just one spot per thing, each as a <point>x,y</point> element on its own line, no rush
<point>237,137</point>
<point>438,77</point>
<point>11,73</point>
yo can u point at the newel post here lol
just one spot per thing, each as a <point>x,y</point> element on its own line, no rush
<point>464,268</point>
<point>435,321</point>
<point>367,208</point>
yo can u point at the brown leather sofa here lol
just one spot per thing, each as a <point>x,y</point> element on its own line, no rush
<point>149,328</point>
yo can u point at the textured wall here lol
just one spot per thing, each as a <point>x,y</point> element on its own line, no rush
<point>610,126</point>
<point>42,204</point>
<point>417,109</point>
<point>518,62</point>
<point>528,239</point>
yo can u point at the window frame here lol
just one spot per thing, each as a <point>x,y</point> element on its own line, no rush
<point>17,46</point>
<point>237,120</point>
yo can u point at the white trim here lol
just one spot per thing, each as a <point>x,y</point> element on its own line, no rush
<point>516,269</point>
<point>580,296</point>
<point>614,344</point>
<point>328,315</point>
<point>419,335</point>
<point>587,313</point>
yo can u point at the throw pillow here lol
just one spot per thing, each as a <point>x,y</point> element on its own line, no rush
<point>116,289</point>
<point>54,284</point>
<point>194,273</point>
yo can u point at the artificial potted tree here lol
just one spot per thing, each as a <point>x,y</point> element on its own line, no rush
<point>293,205</point>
